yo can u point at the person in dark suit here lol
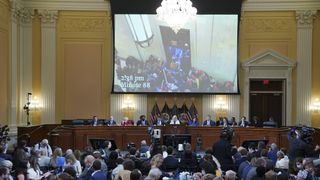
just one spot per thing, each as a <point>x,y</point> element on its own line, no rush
<point>144,147</point>
<point>170,163</point>
<point>95,121</point>
<point>270,123</point>
<point>208,121</point>
<point>88,169</point>
<point>158,122</point>
<point>223,150</point>
<point>142,121</point>
<point>110,122</point>
<point>97,173</point>
<point>255,122</point>
<point>243,122</point>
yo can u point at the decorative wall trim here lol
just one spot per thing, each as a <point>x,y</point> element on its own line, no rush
<point>280,5</point>
<point>275,66</point>
<point>84,25</point>
<point>305,18</point>
<point>48,16</point>
<point>79,5</point>
<point>255,25</point>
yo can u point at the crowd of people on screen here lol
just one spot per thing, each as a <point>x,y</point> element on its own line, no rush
<point>257,161</point>
<point>183,119</point>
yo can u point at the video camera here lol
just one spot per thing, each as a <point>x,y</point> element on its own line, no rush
<point>154,133</point>
<point>305,133</point>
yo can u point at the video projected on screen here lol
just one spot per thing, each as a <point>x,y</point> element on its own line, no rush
<point>200,58</point>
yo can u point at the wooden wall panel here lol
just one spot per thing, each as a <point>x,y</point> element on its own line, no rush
<point>84,64</point>
<point>83,80</point>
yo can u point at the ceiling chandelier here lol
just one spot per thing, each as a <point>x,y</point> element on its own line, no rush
<point>176,13</point>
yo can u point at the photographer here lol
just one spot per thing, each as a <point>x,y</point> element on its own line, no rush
<point>223,150</point>
<point>301,143</point>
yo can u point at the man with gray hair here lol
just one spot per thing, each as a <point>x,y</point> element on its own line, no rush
<point>88,170</point>
<point>44,147</point>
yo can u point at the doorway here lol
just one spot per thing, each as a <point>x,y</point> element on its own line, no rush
<point>267,99</point>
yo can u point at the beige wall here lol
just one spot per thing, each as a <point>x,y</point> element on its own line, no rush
<point>273,30</point>
<point>84,60</point>
<point>316,68</point>
<point>4,61</point>
<point>84,65</point>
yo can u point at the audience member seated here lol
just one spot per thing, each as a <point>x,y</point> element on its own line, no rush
<point>174,120</point>
<point>20,156</point>
<point>194,122</point>
<point>243,122</point>
<point>97,173</point>
<point>73,162</point>
<point>119,168</point>
<point>88,169</point>
<point>34,169</point>
<point>44,147</point>
<point>170,163</point>
<point>208,121</point>
<point>127,122</point>
<point>270,123</point>
<point>110,122</point>
<point>282,161</point>
<point>142,121</point>
<point>3,154</point>
<point>128,166</point>
<point>135,175</point>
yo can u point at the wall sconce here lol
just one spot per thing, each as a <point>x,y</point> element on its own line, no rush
<point>32,104</point>
<point>315,106</point>
<point>220,105</point>
<point>128,105</point>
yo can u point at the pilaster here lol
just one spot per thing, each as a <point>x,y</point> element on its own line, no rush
<point>304,65</point>
<point>48,65</point>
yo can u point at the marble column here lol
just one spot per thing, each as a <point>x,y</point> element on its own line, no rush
<point>48,65</point>
<point>304,65</point>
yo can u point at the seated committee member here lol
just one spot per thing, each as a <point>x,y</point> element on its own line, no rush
<point>243,122</point>
<point>208,121</point>
<point>255,122</point>
<point>194,122</point>
<point>111,122</point>
<point>270,123</point>
<point>142,121</point>
<point>127,122</point>
<point>175,120</point>
<point>158,122</point>
<point>95,121</point>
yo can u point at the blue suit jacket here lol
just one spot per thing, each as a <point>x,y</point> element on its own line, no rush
<point>212,123</point>
<point>98,176</point>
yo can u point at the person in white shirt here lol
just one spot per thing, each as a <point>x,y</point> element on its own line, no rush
<point>175,120</point>
<point>44,146</point>
<point>73,162</point>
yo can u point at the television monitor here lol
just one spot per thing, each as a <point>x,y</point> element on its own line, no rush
<point>149,57</point>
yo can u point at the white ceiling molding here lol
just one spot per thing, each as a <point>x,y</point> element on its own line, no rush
<point>76,5</point>
<point>280,5</point>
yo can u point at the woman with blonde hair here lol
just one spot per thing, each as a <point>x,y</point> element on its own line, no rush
<point>73,162</point>
<point>156,161</point>
<point>55,156</point>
